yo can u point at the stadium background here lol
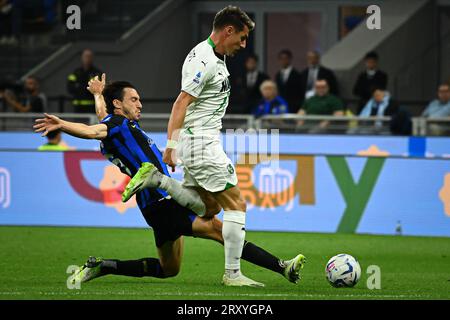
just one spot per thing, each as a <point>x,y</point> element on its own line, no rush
<point>154,36</point>
<point>331,183</point>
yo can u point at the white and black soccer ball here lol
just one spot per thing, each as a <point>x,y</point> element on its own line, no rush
<point>343,270</point>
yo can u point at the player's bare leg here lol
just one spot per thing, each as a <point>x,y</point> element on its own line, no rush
<point>170,257</point>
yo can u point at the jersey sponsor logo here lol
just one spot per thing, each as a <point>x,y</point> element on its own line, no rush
<point>5,188</point>
<point>230,168</point>
<point>197,77</point>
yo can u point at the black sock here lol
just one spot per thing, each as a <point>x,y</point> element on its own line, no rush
<point>261,257</point>
<point>146,267</point>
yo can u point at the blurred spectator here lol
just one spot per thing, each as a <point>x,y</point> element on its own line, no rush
<point>383,105</point>
<point>315,71</point>
<point>271,102</point>
<point>321,103</point>
<point>83,101</point>
<point>369,79</point>
<point>6,36</point>
<point>34,100</point>
<point>9,84</point>
<point>21,12</point>
<point>401,122</point>
<point>438,109</point>
<point>252,82</point>
<point>54,142</point>
<point>288,81</point>
<point>246,95</point>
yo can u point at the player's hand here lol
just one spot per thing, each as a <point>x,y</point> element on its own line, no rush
<point>48,124</point>
<point>9,95</point>
<point>169,158</point>
<point>97,84</point>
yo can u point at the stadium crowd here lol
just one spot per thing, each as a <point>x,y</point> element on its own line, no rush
<point>315,91</point>
<point>17,15</point>
<point>311,91</point>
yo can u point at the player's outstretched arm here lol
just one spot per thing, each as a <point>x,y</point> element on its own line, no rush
<point>96,86</point>
<point>52,123</point>
<point>175,123</point>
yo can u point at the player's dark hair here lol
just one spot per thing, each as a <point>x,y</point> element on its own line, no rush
<point>233,16</point>
<point>112,91</point>
<point>286,52</point>
<point>371,55</point>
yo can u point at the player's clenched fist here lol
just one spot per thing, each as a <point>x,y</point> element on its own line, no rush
<point>169,158</point>
<point>96,85</point>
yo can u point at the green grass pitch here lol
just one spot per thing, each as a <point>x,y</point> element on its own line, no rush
<point>34,260</point>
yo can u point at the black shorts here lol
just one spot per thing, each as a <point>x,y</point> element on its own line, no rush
<point>169,220</point>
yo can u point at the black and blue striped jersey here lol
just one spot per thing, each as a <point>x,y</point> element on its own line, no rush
<point>127,146</point>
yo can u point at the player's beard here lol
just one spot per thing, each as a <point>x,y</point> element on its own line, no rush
<point>237,50</point>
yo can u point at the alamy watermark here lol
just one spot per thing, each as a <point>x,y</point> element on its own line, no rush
<point>243,147</point>
<point>373,21</point>
<point>73,21</point>
<point>374,279</point>
<point>73,282</point>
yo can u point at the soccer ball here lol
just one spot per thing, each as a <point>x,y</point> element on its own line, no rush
<point>343,271</point>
